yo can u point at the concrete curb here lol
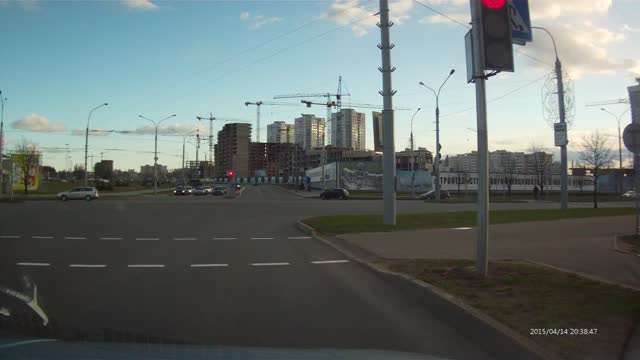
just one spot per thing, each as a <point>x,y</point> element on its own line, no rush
<point>493,335</point>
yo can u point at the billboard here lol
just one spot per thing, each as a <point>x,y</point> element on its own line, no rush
<point>19,163</point>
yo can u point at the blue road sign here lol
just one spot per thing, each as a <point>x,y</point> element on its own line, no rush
<point>520,21</point>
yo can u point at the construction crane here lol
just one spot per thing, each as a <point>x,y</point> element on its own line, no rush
<point>211,118</point>
<point>610,102</point>
<point>260,103</point>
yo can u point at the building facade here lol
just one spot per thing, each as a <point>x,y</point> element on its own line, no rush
<point>274,159</point>
<point>501,161</point>
<point>348,130</point>
<point>280,132</point>
<point>422,159</point>
<point>309,131</point>
<point>232,150</point>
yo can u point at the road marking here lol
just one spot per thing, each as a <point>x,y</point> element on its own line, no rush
<point>146,266</point>
<point>111,238</point>
<point>87,265</point>
<point>25,342</point>
<point>147,239</point>
<point>10,236</point>
<point>298,237</point>
<point>261,238</point>
<point>208,265</point>
<point>224,238</point>
<point>270,264</point>
<point>75,238</point>
<point>32,264</point>
<point>42,237</point>
<point>462,228</point>
<point>185,239</point>
<point>330,262</point>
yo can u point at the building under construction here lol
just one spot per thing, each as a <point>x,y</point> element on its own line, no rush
<point>232,150</point>
<point>276,159</point>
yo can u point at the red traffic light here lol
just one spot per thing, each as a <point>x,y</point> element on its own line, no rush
<point>231,172</point>
<point>494,4</point>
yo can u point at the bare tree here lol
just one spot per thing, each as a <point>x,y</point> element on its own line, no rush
<point>597,154</point>
<point>508,167</point>
<point>541,165</point>
<point>29,157</point>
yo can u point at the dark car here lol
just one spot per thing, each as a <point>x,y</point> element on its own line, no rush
<point>219,190</point>
<point>183,190</point>
<point>431,195</point>
<point>334,194</point>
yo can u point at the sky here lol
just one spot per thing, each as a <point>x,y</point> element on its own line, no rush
<point>61,59</point>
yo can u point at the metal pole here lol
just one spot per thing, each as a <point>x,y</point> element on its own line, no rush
<point>563,148</point>
<point>413,171</point>
<point>389,163</point>
<point>636,168</point>
<point>184,139</point>
<point>86,142</point>
<point>2,100</point>
<point>437,162</point>
<point>155,163</point>
<point>482,246</point>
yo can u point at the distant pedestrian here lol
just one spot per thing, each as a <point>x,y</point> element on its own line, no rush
<point>535,192</point>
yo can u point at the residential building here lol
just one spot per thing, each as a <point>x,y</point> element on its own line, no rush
<point>280,132</point>
<point>309,131</point>
<point>147,172</point>
<point>501,161</point>
<point>232,150</point>
<point>422,159</point>
<point>201,168</point>
<point>348,130</point>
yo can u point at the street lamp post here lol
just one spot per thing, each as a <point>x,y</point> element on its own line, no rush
<point>619,135</point>
<point>86,142</point>
<point>437,160</point>
<point>2,101</point>
<point>413,171</point>
<point>155,151</point>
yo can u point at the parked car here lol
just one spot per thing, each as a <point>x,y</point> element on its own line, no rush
<point>219,190</point>
<point>431,195</point>
<point>334,194</point>
<point>200,190</point>
<point>183,190</point>
<point>208,189</point>
<point>87,193</point>
<point>630,195</point>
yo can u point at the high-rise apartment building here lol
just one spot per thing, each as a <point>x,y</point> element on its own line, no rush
<point>348,130</point>
<point>232,150</point>
<point>280,132</point>
<point>309,131</point>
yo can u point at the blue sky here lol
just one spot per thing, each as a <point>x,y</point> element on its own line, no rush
<point>190,58</point>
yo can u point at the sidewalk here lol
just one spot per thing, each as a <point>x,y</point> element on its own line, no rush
<point>581,245</point>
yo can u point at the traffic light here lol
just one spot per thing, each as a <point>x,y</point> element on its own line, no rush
<point>231,173</point>
<point>496,35</point>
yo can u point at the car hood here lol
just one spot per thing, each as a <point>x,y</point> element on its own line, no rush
<point>55,349</point>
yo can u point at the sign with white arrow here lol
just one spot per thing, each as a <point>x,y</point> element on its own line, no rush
<point>520,22</point>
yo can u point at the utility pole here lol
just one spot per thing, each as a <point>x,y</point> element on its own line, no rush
<point>86,141</point>
<point>413,170</point>
<point>482,246</point>
<point>389,161</point>
<point>2,101</point>
<point>340,127</point>
<point>155,151</point>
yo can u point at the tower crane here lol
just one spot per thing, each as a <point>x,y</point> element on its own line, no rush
<point>260,103</point>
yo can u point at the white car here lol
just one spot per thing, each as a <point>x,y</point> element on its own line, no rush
<point>630,195</point>
<point>200,190</point>
<point>208,189</point>
<point>87,193</point>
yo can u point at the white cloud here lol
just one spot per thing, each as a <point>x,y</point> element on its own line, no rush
<point>553,9</point>
<point>258,21</point>
<point>583,49</point>
<point>35,122</point>
<point>140,4</point>
<point>173,129</point>
<point>345,12</point>
<point>92,132</point>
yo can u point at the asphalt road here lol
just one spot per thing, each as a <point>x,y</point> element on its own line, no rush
<point>217,271</point>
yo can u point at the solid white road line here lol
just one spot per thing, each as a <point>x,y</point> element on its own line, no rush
<point>208,265</point>
<point>270,264</point>
<point>75,238</point>
<point>9,237</point>
<point>330,262</point>
<point>42,237</point>
<point>184,238</point>
<point>224,238</point>
<point>25,342</point>
<point>298,237</point>
<point>462,228</point>
<point>261,238</point>
<point>146,266</point>
<point>147,239</point>
<point>32,264</point>
<point>111,238</point>
<point>87,265</point>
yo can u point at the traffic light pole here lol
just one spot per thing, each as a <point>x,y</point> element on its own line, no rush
<point>482,242</point>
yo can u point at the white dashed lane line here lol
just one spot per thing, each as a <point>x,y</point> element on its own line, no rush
<point>110,238</point>
<point>9,237</point>
<point>87,265</point>
<point>298,237</point>
<point>224,238</point>
<point>184,239</point>
<point>271,264</point>
<point>147,239</point>
<point>146,266</point>
<point>75,238</point>
<point>32,264</point>
<point>261,238</point>
<point>42,237</point>
<point>462,228</point>
<point>330,262</point>
<point>208,265</point>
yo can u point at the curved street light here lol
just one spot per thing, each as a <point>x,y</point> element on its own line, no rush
<point>86,141</point>
<point>437,159</point>
<point>618,117</point>
<point>413,171</point>
<point>155,151</point>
